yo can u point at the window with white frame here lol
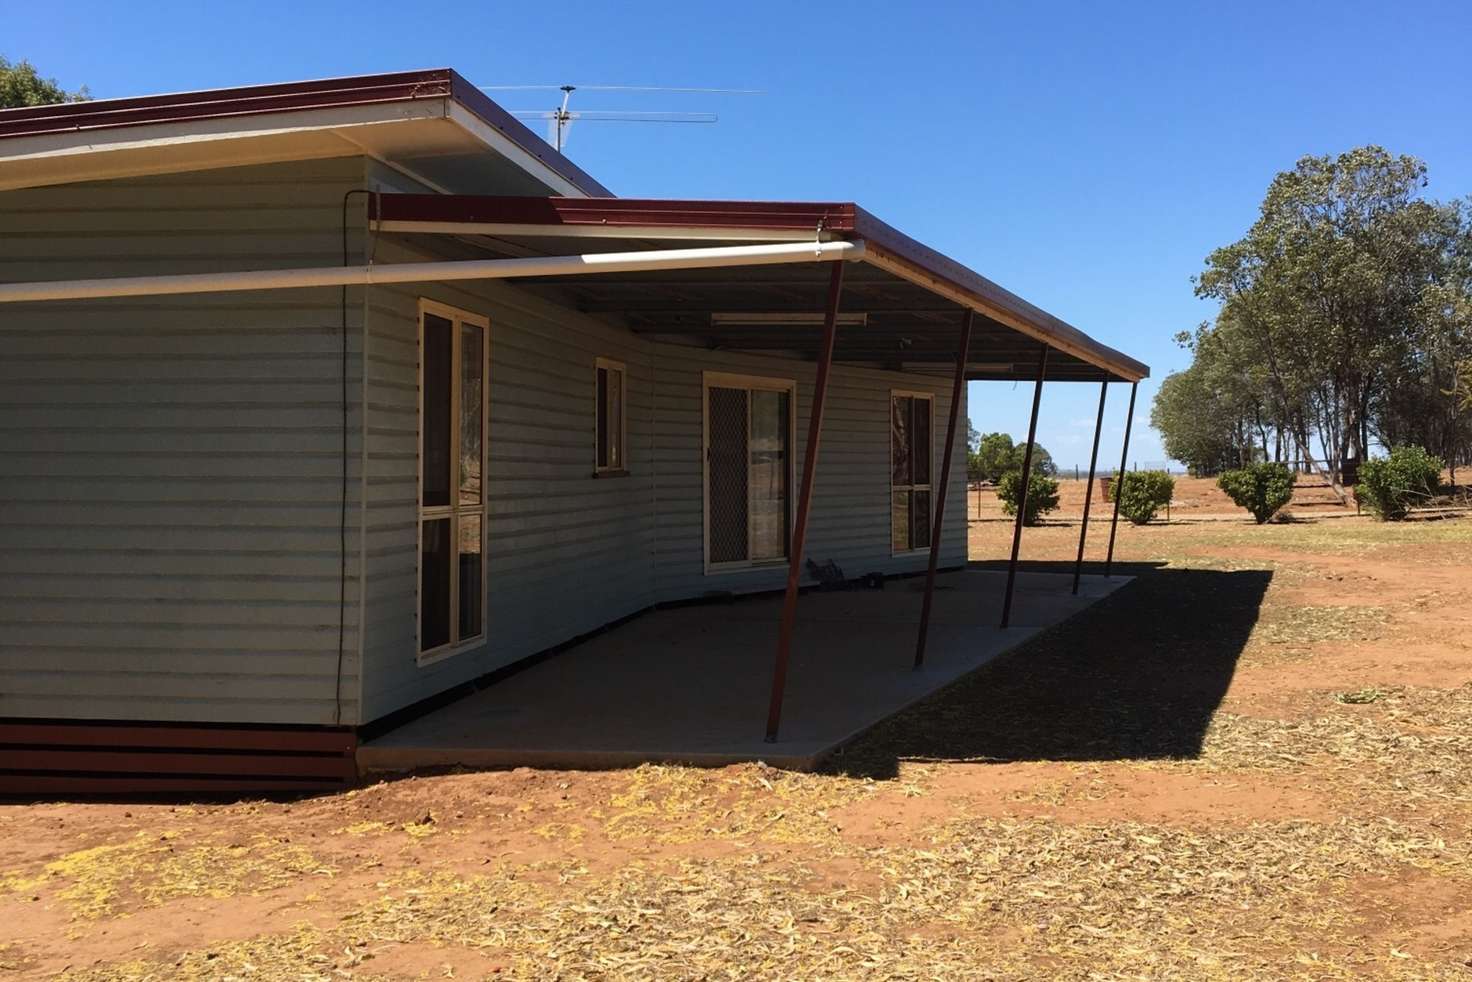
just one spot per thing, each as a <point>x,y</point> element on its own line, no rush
<point>910,418</point>
<point>453,361</point>
<point>611,427</point>
<point>748,469</point>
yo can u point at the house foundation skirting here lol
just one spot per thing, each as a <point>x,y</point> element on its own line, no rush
<point>86,757</point>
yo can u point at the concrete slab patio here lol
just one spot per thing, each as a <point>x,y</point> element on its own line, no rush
<point>690,684</point>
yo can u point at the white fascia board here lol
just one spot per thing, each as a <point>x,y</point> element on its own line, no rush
<point>186,132</point>
<point>512,151</point>
<point>160,148</point>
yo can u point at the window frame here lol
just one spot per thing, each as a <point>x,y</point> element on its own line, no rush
<point>730,380</point>
<point>929,399</point>
<point>622,467</point>
<point>453,511</point>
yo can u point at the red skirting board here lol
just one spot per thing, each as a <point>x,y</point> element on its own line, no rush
<point>70,757</point>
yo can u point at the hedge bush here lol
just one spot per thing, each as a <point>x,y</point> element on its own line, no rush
<point>1391,485</point>
<point>1042,495</point>
<point>1261,488</point>
<point>1145,493</point>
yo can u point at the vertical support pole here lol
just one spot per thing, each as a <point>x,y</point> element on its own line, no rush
<point>1032,437</point>
<point>958,389</point>
<point>804,503</point>
<point>1083,532</point>
<point>1119,481</point>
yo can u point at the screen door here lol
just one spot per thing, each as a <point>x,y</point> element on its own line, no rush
<point>748,473</point>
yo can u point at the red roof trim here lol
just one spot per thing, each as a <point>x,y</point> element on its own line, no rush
<point>616,212</point>
<point>212,103</point>
<point>439,83</point>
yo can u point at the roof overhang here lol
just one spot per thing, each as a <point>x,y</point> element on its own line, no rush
<point>433,125</point>
<point>912,297</point>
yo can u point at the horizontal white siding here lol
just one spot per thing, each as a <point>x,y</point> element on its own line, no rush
<point>171,468</point>
<point>850,519</point>
<point>567,552</point>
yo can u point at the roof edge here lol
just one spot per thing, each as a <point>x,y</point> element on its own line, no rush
<point>608,212</point>
<point>917,262</point>
<point>888,248</point>
<point>490,112</point>
<point>328,93</point>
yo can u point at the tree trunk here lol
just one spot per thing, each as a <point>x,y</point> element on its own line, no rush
<point>1330,471</point>
<point>1331,439</point>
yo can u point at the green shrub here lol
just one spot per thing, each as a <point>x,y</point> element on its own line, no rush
<point>1391,485</point>
<point>1260,488</point>
<point>1145,493</point>
<point>1042,495</point>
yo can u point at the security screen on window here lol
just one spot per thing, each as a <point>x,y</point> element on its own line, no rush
<point>748,471</point>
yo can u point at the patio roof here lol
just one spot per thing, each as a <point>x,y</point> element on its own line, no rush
<point>902,303</point>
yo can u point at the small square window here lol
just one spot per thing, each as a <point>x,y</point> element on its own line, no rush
<point>611,425</point>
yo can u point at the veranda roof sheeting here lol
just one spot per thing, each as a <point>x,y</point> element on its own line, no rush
<point>902,303</point>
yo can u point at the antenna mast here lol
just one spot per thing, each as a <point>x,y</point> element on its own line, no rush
<point>563,117</point>
<point>560,120</point>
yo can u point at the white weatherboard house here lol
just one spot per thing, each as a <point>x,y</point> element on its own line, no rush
<point>378,394</point>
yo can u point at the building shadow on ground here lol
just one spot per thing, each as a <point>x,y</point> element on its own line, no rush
<point>1136,676</point>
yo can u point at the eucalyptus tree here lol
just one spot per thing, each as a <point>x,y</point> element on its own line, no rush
<point>1333,294</point>
<point>21,85</point>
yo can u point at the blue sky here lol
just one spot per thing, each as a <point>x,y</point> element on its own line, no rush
<point>1086,156</point>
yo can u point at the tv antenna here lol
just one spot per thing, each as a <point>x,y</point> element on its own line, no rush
<point>560,120</point>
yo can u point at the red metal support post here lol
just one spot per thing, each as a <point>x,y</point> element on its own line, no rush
<point>1124,455</point>
<point>804,503</point>
<point>1083,532</point>
<point>1032,436</point>
<point>958,389</point>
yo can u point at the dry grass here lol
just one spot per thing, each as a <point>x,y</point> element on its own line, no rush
<point>1339,537</point>
<point>1412,744</point>
<point>1298,625</point>
<point>1014,896</point>
<point>684,804</point>
<point>980,899</point>
<point>301,955</point>
<point>151,868</point>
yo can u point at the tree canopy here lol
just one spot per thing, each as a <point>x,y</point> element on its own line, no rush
<point>994,454</point>
<point>1207,413</point>
<point>21,85</point>
<point>1344,311</point>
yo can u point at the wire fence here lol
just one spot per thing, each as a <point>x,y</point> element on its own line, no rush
<point>1078,472</point>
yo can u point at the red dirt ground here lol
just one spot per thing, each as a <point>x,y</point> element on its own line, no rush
<point>1255,762</point>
